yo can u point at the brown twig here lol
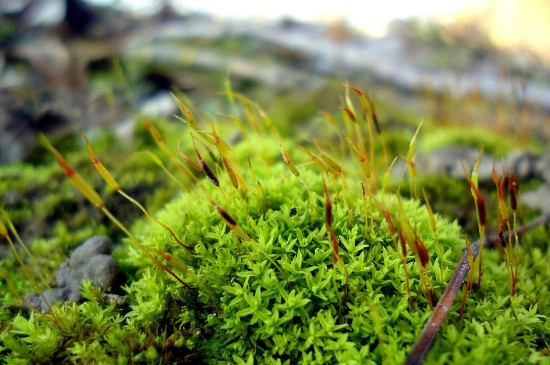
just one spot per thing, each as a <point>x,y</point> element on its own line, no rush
<point>427,337</point>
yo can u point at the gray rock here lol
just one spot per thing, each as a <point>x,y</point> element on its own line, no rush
<point>101,270</point>
<point>63,275</point>
<point>538,198</point>
<point>89,261</point>
<point>92,246</point>
<point>524,164</point>
<point>543,166</point>
<point>49,58</point>
<point>37,302</point>
<point>446,161</point>
<point>44,13</point>
<point>162,103</point>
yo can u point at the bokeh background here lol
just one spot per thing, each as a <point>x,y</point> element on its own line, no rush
<point>476,72</point>
<point>65,64</point>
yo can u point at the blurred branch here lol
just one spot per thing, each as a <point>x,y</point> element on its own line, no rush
<point>427,338</point>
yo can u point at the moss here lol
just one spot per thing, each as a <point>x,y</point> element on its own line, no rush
<point>497,328</point>
<point>277,297</point>
<point>87,333</point>
<point>495,143</point>
<point>52,219</point>
<point>269,319</point>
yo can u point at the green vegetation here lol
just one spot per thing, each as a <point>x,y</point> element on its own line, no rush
<point>282,271</point>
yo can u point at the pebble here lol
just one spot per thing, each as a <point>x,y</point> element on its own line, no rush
<point>89,261</point>
<point>159,104</point>
<point>538,198</point>
<point>543,166</point>
<point>524,164</point>
<point>446,161</point>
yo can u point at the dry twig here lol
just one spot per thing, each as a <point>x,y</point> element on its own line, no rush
<point>427,337</point>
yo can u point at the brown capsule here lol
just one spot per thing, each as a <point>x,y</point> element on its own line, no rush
<point>387,216</point>
<point>389,221</point>
<point>188,159</point>
<point>350,114</point>
<point>230,221</point>
<point>422,251</point>
<point>359,92</point>
<point>513,187</point>
<point>500,198</point>
<point>328,214</point>
<point>209,173</point>
<point>335,248</point>
<point>362,98</point>
<point>431,298</point>
<point>482,214</point>
<point>207,170</point>
<point>328,207</point>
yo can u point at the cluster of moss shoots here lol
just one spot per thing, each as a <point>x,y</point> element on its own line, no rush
<point>269,260</point>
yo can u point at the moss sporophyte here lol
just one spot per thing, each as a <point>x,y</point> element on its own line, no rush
<point>289,252</point>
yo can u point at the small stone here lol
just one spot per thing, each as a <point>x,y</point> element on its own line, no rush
<point>543,166</point>
<point>160,104</point>
<point>101,270</point>
<point>92,246</point>
<point>73,292</point>
<point>89,261</point>
<point>447,161</point>
<point>537,199</point>
<point>524,164</point>
<point>35,300</point>
<point>63,275</point>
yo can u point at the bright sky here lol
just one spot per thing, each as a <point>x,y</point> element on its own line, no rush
<point>368,15</point>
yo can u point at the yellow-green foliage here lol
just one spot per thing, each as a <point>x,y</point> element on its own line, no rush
<point>264,289</point>
<point>495,143</point>
<point>309,317</point>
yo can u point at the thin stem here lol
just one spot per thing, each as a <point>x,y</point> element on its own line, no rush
<point>427,338</point>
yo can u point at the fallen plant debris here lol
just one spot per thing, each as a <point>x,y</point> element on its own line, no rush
<point>425,342</point>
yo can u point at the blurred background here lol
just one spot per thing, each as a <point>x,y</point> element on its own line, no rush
<point>68,64</point>
<point>508,23</point>
<point>476,72</point>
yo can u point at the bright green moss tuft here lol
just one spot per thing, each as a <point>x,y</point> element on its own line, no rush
<point>277,298</point>
<point>310,316</point>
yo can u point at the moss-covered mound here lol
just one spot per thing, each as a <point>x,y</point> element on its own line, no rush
<point>284,271</point>
<point>301,309</point>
